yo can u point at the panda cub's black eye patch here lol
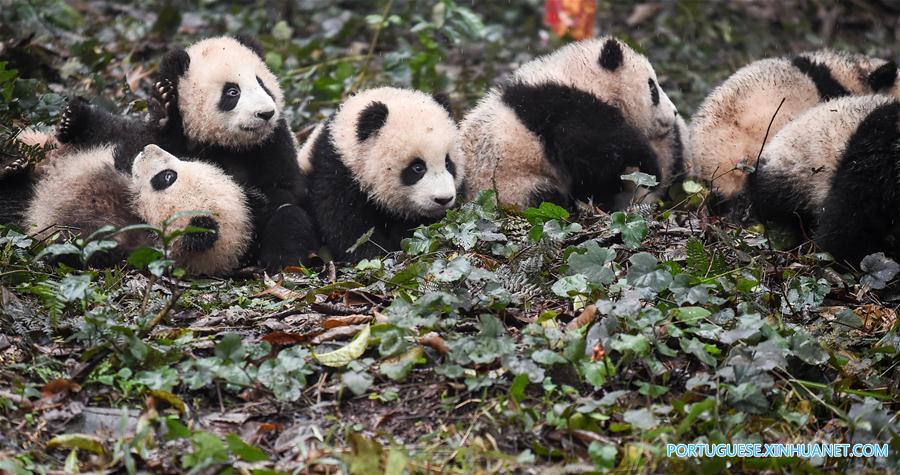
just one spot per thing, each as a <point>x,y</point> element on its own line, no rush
<point>413,172</point>
<point>231,94</point>
<point>163,179</point>
<point>451,167</point>
<point>654,91</point>
<point>264,88</point>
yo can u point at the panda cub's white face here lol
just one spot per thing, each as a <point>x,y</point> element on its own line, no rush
<point>402,148</point>
<point>164,185</point>
<point>227,95</point>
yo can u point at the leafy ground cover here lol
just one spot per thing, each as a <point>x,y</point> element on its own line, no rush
<point>495,341</point>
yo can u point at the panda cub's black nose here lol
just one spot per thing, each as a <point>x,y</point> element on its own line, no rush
<point>265,115</point>
<point>443,201</point>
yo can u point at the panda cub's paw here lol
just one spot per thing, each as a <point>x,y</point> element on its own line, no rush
<point>14,168</point>
<point>71,122</point>
<point>165,95</point>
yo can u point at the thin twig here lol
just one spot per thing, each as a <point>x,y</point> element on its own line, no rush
<point>150,284</point>
<point>161,314</point>
<point>766,137</point>
<point>371,53</point>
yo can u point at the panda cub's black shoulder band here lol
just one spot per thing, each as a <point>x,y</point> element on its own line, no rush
<point>828,87</point>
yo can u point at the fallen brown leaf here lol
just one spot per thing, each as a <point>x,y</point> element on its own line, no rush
<point>338,333</point>
<point>356,298</point>
<point>588,315</point>
<point>876,318</point>
<point>279,291</point>
<point>59,386</point>
<point>379,317</point>
<point>341,321</point>
<point>435,341</point>
<point>286,339</point>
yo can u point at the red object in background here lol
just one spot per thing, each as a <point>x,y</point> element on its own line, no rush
<point>574,18</point>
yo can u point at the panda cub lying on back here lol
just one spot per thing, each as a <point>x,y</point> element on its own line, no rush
<point>566,126</point>
<point>388,160</point>
<point>835,172</point>
<point>221,104</point>
<point>82,192</point>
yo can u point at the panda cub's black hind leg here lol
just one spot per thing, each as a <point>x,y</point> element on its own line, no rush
<point>84,125</point>
<point>863,203</point>
<point>856,221</point>
<point>74,122</point>
<point>287,239</point>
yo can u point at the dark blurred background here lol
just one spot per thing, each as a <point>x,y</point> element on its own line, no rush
<point>108,50</point>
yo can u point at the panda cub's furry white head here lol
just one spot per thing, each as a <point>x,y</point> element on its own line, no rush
<point>731,124</point>
<point>505,137</point>
<point>227,94</point>
<point>163,185</point>
<point>401,147</point>
<point>82,191</point>
<point>631,86</point>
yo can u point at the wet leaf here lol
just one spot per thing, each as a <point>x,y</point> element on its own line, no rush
<point>879,270</point>
<point>87,442</point>
<point>343,356</point>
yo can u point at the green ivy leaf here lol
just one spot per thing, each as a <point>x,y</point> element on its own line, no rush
<point>593,263</point>
<point>548,357</point>
<point>545,212</point>
<point>74,287</point>
<point>245,451</point>
<point>141,257</point>
<point>640,179</point>
<point>570,286</point>
<point>632,227</point>
<point>358,382</point>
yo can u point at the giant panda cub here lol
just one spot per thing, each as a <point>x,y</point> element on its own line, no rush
<point>82,191</point>
<point>388,159</point>
<point>220,103</point>
<point>566,126</point>
<point>834,172</point>
<point>728,129</point>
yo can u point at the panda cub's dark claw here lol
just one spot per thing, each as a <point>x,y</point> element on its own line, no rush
<point>71,122</point>
<point>15,167</point>
<point>165,95</point>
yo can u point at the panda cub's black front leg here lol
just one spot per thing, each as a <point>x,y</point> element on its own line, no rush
<point>288,238</point>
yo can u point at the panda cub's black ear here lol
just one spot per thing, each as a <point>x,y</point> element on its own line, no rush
<point>371,120</point>
<point>174,64</point>
<point>443,99</point>
<point>883,77</point>
<point>611,55</point>
<point>251,43</point>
